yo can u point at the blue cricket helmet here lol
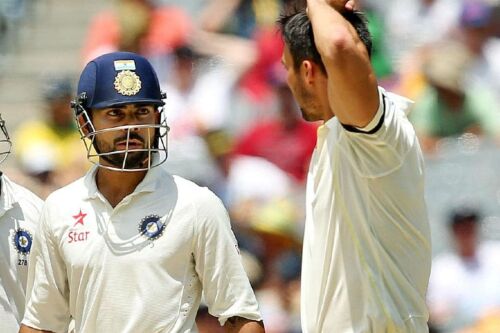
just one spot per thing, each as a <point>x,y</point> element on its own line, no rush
<point>118,78</point>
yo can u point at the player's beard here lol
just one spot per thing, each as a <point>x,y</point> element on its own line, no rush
<point>134,159</point>
<point>308,111</point>
<point>305,114</point>
<point>306,101</point>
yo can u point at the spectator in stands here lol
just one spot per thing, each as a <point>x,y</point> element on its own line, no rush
<point>3,33</point>
<point>279,296</point>
<point>464,283</point>
<point>198,102</point>
<point>49,149</point>
<point>12,14</point>
<point>240,17</point>
<point>447,107</point>
<point>137,26</point>
<point>413,24</point>
<point>412,27</point>
<point>380,57</point>
<point>480,32</point>
<point>489,323</point>
<point>253,22</point>
<point>285,139</point>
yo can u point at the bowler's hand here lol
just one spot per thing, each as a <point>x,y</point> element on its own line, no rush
<point>342,5</point>
<point>351,5</point>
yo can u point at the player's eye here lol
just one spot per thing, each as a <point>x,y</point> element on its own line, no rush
<point>143,111</point>
<point>114,112</point>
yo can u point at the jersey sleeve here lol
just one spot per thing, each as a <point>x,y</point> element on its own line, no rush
<point>382,146</point>
<point>226,287</point>
<point>47,288</point>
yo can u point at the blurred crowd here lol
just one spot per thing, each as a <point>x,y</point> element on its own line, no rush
<point>235,128</point>
<point>13,13</point>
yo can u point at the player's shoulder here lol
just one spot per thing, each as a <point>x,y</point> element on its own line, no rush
<point>207,208</point>
<point>73,191</point>
<point>394,103</point>
<point>25,197</point>
<point>186,184</point>
<point>201,199</point>
<point>392,108</point>
<point>192,190</point>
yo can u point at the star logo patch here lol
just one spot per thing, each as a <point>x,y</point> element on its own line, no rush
<point>79,218</point>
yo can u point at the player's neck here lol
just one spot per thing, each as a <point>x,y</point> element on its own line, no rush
<point>116,185</point>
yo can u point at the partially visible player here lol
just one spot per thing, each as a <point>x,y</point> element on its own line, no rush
<point>19,213</point>
<point>129,247</point>
<point>367,252</point>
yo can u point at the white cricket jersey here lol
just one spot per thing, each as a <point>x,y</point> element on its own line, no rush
<point>140,267</point>
<point>19,213</point>
<point>367,252</point>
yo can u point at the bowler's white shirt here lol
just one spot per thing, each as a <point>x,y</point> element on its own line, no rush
<point>19,213</point>
<point>367,252</point>
<point>91,262</point>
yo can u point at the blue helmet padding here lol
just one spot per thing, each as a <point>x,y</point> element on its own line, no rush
<point>97,82</point>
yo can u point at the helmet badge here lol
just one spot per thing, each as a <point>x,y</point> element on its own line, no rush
<point>127,83</point>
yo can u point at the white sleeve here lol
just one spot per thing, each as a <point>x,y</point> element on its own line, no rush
<point>226,287</point>
<point>47,288</point>
<point>381,147</point>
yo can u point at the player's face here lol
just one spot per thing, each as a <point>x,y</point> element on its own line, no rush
<point>465,234</point>
<point>303,93</point>
<point>125,140</point>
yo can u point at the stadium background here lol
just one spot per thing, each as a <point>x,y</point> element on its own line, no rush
<point>43,39</point>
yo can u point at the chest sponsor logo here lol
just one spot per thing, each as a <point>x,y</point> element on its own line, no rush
<point>79,218</point>
<point>78,235</point>
<point>22,241</point>
<point>151,227</point>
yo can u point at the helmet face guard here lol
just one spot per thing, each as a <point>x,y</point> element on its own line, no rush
<point>154,152</point>
<point>113,80</point>
<point>5,143</point>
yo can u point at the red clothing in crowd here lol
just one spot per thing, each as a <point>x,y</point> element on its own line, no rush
<point>168,28</point>
<point>289,149</point>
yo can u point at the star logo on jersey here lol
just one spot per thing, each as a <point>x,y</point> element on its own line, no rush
<point>22,241</point>
<point>79,218</point>
<point>151,227</point>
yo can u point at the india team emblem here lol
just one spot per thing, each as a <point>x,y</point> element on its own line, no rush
<point>22,241</point>
<point>127,83</point>
<point>151,227</point>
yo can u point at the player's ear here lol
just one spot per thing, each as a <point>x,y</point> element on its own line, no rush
<point>308,70</point>
<point>84,123</point>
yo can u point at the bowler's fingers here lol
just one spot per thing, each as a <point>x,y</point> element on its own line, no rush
<point>350,5</point>
<point>339,5</point>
